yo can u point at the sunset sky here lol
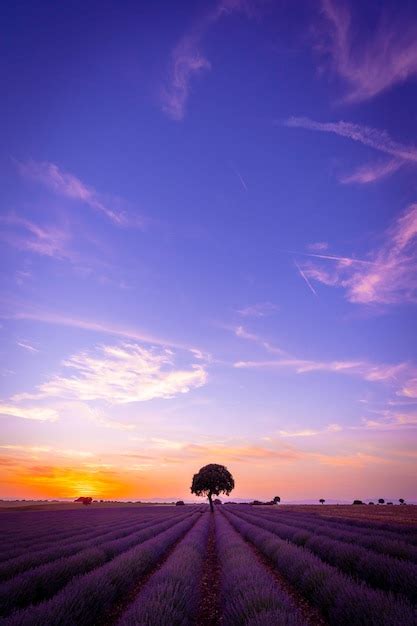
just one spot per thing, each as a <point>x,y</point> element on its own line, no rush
<point>208,248</point>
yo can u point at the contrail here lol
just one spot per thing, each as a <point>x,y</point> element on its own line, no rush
<point>336,258</point>
<point>244,185</point>
<point>306,279</point>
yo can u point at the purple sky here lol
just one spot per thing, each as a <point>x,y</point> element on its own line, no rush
<point>209,247</point>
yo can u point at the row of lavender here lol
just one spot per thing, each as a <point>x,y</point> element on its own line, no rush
<point>377,570</point>
<point>36,554</point>
<point>389,531</point>
<point>248,592</point>
<point>91,594</point>
<point>23,531</point>
<point>42,582</point>
<point>341,598</point>
<point>397,545</point>
<point>108,584</point>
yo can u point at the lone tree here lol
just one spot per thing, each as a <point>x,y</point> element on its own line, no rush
<point>322,500</point>
<point>180,503</point>
<point>276,500</point>
<point>401,500</point>
<point>381,501</point>
<point>212,480</point>
<point>85,500</point>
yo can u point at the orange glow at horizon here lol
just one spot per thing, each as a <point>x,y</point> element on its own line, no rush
<point>291,477</point>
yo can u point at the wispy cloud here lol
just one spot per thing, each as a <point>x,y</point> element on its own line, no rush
<point>400,375</point>
<point>27,346</point>
<point>390,420</point>
<point>241,332</point>
<point>44,240</point>
<point>307,432</point>
<point>318,246</point>
<point>260,309</point>
<point>101,420</point>
<point>40,414</point>
<point>390,274</point>
<point>66,184</point>
<point>378,60</point>
<point>372,172</point>
<point>410,388</point>
<point>120,374</point>
<point>362,369</point>
<point>188,61</point>
<point>41,449</point>
<point>61,319</point>
<point>374,138</point>
<point>377,139</point>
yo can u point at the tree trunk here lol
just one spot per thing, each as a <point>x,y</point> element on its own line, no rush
<point>211,503</point>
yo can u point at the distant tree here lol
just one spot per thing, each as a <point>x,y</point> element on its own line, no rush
<point>180,503</point>
<point>401,501</point>
<point>277,500</point>
<point>381,501</point>
<point>212,480</point>
<point>322,500</point>
<point>371,503</point>
<point>357,502</point>
<point>217,501</point>
<point>85,500</point>
<point>389,503</point>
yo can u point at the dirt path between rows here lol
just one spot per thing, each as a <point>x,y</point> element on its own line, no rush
<point>118,609</point>
<point>209,611</point>
<point>311,614</point>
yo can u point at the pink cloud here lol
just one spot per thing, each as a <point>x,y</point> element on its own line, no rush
<point>371,137</point>
<point>260,309</point>
<point>390,275</point>
<point>187,61</point>
<point>367,371</point>
<point>318,246</point>
<point>61,319</point>
<point>400,376</point>
<point>45,240</point>
<point>386,57</point>
<point>377,139</point>
<point>372,172</point>
<point>65,184</point>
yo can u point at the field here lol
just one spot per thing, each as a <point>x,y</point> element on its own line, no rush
<point>242,565</point>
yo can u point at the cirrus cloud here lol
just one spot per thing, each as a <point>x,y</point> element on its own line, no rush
<point>120,374</point>
<point>374,63</point>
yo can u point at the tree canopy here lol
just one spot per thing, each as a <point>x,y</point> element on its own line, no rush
<point>86,500</point>
<point>212,480</point>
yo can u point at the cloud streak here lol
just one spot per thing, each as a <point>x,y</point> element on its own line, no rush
<point>402,375</point>
<point>188,61</point>
<point>39,414</point>
<point>378,60</point>
<point>390,275</point>
<point>260,309</point>
<point>376,139</point>
<point>372,172</point>
<point>67,185</point>
<point>44,240</point>
<point>60,319</point>
<point>120,374</point>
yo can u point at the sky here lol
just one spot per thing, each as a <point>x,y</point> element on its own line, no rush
<point>208,248</point>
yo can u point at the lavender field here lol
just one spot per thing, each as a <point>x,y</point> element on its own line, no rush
<point>172,566</point>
